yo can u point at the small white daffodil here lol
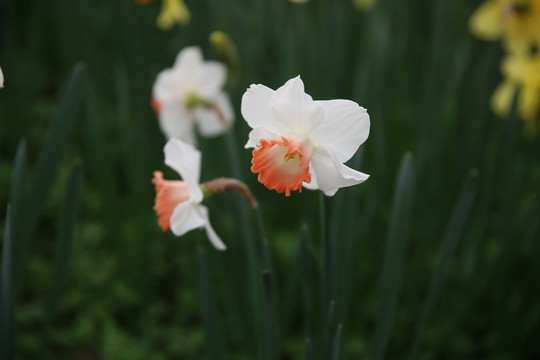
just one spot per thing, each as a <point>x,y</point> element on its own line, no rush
<point>189,93</point>
<point>178,203</point>
<point>301,142</point>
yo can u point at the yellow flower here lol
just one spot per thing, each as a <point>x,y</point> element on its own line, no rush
<point>521,73</point>
<point>517,22</point>
<point>224,48</point>
<point>172,11</point>
<point>299,1</point>
<point>363,5</point>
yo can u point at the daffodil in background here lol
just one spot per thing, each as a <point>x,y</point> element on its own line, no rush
<point>521,76</point>
<point>191,93</point>
<point>172,12</point>
<point>516,22</point>
<point>301,142</point>
<point>178,203</point>
<point>364,5</point>
<point>1,78</point>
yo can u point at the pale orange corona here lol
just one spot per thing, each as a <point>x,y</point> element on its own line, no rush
<point>282,164</point>
<point>168,195</point>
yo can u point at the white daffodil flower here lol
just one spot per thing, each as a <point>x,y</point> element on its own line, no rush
<point>1,78</point>
<point>192,92</point>
<point>299,141</point>
<point>178,203</point>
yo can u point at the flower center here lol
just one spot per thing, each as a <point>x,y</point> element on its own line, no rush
<point>283,163</point>
<point>193,100</point>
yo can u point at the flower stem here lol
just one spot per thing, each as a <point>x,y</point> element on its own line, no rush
<point>326,250</point>
<point>327,255</point>
<point>224,185</point>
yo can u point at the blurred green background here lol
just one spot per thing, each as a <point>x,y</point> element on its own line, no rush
<point>433,258</point>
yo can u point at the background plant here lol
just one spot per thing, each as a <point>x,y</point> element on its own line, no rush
<point>434,256</point>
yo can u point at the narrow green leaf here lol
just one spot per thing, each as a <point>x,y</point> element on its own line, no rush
<point>327,250</point>
<point>246,227</point>
<point>263,241</point>
<point>336,343</point>
<point>66,236</point>
<point>448,247</point>
<point>269,324</point>
<point>328,326</point>
<point>394,258</point>
<point>57,138</point>
<point>7,328</point>
<point>308,349</point>
<point>214,340</point>
<point>17,204</point>
<point>306,283</point>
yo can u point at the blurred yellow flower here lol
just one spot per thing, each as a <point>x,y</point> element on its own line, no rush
<point>299,1</point>
<point>224,47</point>
<point>363,5</point>
<point>517,22</point>
<point>172,11</point>
<point>521,73</point>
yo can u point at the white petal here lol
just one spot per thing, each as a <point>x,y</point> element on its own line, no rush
<point>256,109</point>
<point>176,122</point>
<point>167,87</point>
<point>254,106</point>
<point>189,57</point>
<point>186,217</point>
<point>331,174</point>
<point>186,160</point>
<point>212,235</point>
<point>209,122</point>
<point>295,109</point>
<point>1,78</point>
<point>257,134</point>
<point>313,185</point>
<point>211,79</point>
<point>344,129</point>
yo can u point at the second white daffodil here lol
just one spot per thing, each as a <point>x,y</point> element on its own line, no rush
<point>190,93</point>
<point>301,142</point>
<point>178,203</point>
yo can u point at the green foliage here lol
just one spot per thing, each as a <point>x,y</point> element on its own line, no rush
<point>442,273</point>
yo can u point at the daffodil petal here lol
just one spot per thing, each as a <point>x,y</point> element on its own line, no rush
<point>176,122</point>
<point>258,134</point>
<point>211,79</point>
<point>186,217</point>
<point>189,57</point>
<point>186,160</point>
<point>485,22</point>
<point>256,111</point>
<point>313,185</point>
<point>211,123</point>
<point>210,232</point>
<point>295,109</point>
<point>166,86</point>
<point>331,174</point>
<point>502,98</point>
<point>344,129</point>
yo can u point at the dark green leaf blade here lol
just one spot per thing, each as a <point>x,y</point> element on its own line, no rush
<point>66,236</point>
<point>57,138</point>
<point>7,328</point>
<point>394,258</point>
<point>448,247</point>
